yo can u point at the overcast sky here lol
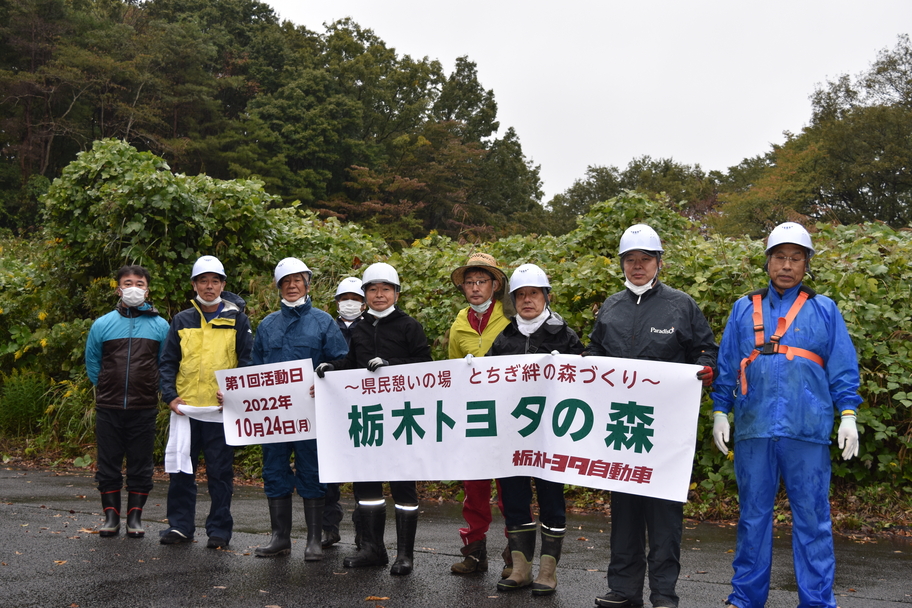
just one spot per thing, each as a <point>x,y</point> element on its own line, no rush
<point>706,82</point>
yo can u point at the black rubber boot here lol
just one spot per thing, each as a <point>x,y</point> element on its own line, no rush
<point>406,526</point>
<point>372,552</point>
<point>280,518</point>
<point>313,516</point>
<point>552,541</point>
<point>522,548</point>
<point>110,502</point>
<point>135,503</point>
<point>476,558</point>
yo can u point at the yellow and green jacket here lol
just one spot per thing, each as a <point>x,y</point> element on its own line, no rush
<point>195,349</point>
<point>464,340</point>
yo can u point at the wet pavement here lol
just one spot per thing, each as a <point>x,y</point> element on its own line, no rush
<point>52,556</point>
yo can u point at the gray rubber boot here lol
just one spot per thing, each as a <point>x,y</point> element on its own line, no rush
<point>552,541</point>
<point>522,548</point>
<point>280,518</point>
<point>372,521</point>
<point>313,516</point>
<point>110,502</point>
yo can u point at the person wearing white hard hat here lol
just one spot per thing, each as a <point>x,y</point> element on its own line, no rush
<point>386,336</point>
<point>786,380</point>
<point>535,329</point>
<point>121,356</point>
<point>296,331</point>
<point>213,334</point>
<point>648,320</point>
<point>350,307</point>
<point>483,284</point>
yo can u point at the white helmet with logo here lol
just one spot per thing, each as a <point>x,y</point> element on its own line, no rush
<point>208,263</point>
<point>291,266</point>
<point>349,285</point>
<point>790,232</point>
<point>640,237</point>
<point>381,272</point>
<point>529,275</point>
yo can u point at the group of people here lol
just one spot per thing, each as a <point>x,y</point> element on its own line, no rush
<point>785,364</point>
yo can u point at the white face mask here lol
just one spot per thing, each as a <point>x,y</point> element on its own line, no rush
<point>132,296</point>
<point>217,300</point>
<point>482,308</point>
<point>296,303</point>
<point>349,309</point>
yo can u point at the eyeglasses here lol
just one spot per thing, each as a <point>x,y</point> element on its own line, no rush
<point>795,259</point>
<point>480,283</point>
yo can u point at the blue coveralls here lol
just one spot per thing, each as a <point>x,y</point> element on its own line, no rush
<point>782,429</point>
<point>289,334</point>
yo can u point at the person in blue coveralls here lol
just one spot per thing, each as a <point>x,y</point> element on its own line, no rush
<point>296,331</point>
<point>787,368</point>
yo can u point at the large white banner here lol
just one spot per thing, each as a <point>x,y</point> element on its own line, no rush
<point>615,424</point>
<point>268,403</point>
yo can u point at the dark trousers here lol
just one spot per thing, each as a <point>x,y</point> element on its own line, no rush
<point>404,492</point>
<point>517,501</point>
<point>123,434</point>
<point>208,437</point>
<point>632,517</point>
<point>332,510</point>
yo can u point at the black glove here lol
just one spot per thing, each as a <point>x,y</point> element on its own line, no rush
<point>376,363</point>
<point>323,368</point>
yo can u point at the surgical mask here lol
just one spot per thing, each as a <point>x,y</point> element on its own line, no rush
<point>217,300</point>
<point>639,290</point>
<point>349,309</point>
<point>383,313</point>
<point>481,308</point>
<point>132,296</point>
<point>527,328</point>
<point>296,303</point>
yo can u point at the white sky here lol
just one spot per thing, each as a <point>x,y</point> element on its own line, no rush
<point>706,82</point>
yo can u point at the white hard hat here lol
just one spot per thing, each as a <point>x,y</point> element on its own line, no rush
<point>349,285</point>
<point>381,272</point>
<point>529,275</point>
<point>291,266</point>
<point>790,232</point>
<point>208,263</point>
<point>640,237</point>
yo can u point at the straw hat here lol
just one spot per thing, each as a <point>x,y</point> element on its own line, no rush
<point>481,261</point>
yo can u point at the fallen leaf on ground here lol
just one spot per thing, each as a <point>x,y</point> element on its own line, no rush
<point>60,562</point>
<point>374,598</point>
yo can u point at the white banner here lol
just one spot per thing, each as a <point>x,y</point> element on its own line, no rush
<point>615,424</point>
<point>268,403</point>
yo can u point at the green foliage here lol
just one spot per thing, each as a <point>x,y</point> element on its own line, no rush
<point>23,398</point>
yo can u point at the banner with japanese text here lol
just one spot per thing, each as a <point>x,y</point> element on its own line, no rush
<point>614,424</point>
<point>268,403</point>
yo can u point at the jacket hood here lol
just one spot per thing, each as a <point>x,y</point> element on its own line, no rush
<point>235,299</point>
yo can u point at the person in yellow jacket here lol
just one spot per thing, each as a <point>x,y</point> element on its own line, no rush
<point>483,284</point>
<point>214,334</point>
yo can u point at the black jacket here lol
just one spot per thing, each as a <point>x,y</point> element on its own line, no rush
<point>667,325</point>
<point>554,334</point>
<point>398,338</point>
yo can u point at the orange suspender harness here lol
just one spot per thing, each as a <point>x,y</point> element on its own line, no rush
<point>773,347</point>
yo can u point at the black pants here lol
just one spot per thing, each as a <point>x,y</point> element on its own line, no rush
<point>124,433</point>
<point>404,492</point>
<point>632,517</point>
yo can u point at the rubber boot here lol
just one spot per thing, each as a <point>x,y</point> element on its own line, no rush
<point>110,502</point>
<point>313,516</point>
<point>372,521</point>
<point>406,526</point>
<point>508,562</point>
<point>476,558</point>
<point>280,518</point>
<point>552,541</point>
<point>522,548</point>
<point>135,503</point>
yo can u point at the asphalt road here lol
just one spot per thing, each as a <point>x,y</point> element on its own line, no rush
<point>51,556</point>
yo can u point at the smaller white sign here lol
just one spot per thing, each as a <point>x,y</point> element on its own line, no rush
<point>268,403</point>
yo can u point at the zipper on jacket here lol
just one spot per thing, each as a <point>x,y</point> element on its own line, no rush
<point>129,355</point>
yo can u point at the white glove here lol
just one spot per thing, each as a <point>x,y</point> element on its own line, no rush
<point>323,368</point>
<point>721,430</point>
<point>376,363</point>
<point>468,358</point>
<point>554,352</point>
<point>847,437</point>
